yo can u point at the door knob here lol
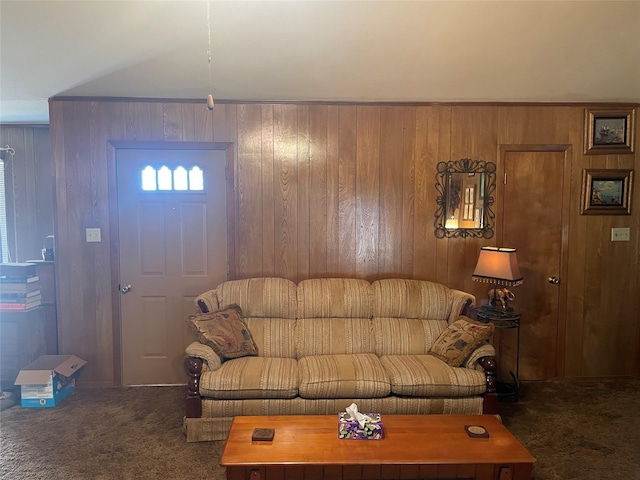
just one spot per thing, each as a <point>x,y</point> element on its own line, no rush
<point>125,288</point>
<point>554,280</point>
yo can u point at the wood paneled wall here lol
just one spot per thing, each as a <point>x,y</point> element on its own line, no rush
<point>29,190</point>
<point>340,190</point>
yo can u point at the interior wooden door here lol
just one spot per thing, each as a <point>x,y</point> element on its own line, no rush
<point>173,246</point>
<point>535,221</point>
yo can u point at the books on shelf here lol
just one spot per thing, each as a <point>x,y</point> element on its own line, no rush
<point>8,304</point>
<point>18,307</point>
<point>18,296</point>
<point>18,280</point>
<point>18,277</point>
<point>19,287</point>
<point>23,287</point>
<point>17,270</point>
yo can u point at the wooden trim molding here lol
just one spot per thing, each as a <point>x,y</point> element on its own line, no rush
<point>354,103</point>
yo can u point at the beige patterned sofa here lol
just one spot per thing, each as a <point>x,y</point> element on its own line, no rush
<point>325,343</point>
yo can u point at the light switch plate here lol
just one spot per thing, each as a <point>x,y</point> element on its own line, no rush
<point>620,235</point>
<point>93,235</point>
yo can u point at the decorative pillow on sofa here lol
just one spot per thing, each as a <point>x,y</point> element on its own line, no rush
<point>225,332</point>
<point>459,339</point>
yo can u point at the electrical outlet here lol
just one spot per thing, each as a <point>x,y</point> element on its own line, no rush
<point>93,235</point>
<point>620,235</point>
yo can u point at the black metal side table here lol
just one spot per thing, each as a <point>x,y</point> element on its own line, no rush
<point>504,318</point>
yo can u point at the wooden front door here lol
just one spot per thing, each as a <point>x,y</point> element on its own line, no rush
<point>173,246</point>
<point>535,221</point>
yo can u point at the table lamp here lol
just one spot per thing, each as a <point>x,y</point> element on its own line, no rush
<point>500,267</point>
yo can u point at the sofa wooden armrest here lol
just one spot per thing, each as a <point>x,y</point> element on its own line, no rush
<point>199,358</point>
<point>490,397</point>
<point>193,366</point>
<point>489,366</point>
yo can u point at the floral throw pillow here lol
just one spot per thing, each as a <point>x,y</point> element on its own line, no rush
<point>225,332</point>
<point>459,339</point>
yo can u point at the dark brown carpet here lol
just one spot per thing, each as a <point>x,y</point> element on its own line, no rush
<point>579,431</point>
<point>583,431</point>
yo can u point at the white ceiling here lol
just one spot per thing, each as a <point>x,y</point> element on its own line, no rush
<point>425,51</point>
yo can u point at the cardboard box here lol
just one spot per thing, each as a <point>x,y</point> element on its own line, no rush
<point>350,429</point>
<point>48,380</point>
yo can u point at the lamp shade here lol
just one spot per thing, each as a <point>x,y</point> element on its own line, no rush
<point>499,266</point>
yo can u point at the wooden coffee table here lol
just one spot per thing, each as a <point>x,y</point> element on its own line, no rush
<point>307,447</point>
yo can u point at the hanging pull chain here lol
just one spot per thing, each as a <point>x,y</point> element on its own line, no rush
<point>210,102</point>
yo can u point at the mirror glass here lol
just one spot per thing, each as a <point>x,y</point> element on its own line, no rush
<point>465,198</point>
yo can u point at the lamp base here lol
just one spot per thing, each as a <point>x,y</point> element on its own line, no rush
<point>500,296</point>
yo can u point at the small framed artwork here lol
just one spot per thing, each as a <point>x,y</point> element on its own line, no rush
<point>609,131</point>
<point>606,192</point>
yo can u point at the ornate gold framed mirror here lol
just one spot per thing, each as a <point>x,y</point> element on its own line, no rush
<point>465,198</point>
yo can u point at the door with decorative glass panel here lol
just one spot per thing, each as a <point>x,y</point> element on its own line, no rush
<point>173,246</point>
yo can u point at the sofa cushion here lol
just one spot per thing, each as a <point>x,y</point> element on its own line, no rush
<point>459,339</point>
<point>334,298</point>
<point>274,337</point>
<point>225,332</point>
<point>252,377</point>
<point>405,336</point>
<point>260,297</point>
<point>342,376</point>
<point>428,376</point>
<point>404,298</point>
<point>333,336</point>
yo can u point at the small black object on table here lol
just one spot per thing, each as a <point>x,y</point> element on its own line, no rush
<point>504,318</point>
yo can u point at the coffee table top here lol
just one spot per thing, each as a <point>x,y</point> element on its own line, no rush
<point>408,439</point>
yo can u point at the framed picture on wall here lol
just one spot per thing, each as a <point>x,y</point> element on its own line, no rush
<point>606,192</point>
<point>609,131</point>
